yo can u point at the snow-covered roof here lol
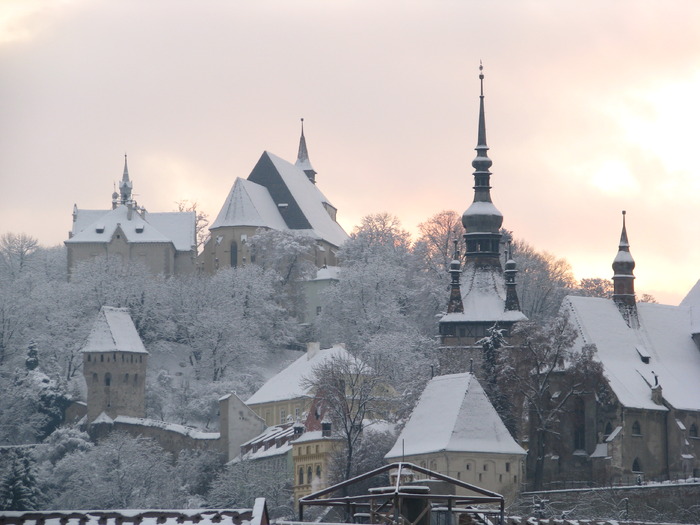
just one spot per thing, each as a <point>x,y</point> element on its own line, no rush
<point>661,346</point>
<point>249,204</point>
<point>453,414</point>
<point>483,297</point>
<point>142,516</point>
<point>273,441</point>
<point>693,297</point>
<point>310,200</point>
<point>96,226</point>
<point>287,384</point>
<point>114,331</point>
<point>274,182</point>
<point>194,433</point>
<point>327,273</point>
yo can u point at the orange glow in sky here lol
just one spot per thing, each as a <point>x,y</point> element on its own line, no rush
<point>591,108</point>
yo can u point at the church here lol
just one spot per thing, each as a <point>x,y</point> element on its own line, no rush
<point>277,195</point>
<point>642,423</point>
<point>164,243</point>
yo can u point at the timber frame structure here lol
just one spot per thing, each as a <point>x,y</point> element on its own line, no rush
<point>407,501</point>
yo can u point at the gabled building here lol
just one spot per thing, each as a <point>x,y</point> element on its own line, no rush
<point>285,395</point>
<point>454,430</point>
<point>277,195</point>
<point>164,243</point>
<point>643,422</point>
<point>482,295</point>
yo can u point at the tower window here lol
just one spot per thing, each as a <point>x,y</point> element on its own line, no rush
<point>108,379</point>
<point>636,465</point>
<point>136,379</point>
<point>126,378</point>
<point>301,475</point>
<point>636,429</point>
<point>95,379</point>
<point>309,474</point>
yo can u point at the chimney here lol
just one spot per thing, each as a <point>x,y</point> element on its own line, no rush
<point>312,349</point>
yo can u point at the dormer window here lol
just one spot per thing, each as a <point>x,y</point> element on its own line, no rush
<point>139,229</point>
<point>283,206</point>
<point>643,355</point>
<point>100,228</point>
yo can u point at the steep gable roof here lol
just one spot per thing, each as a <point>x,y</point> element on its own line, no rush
<point>453,414</point>
<point>288,383</point>
<point>249,204</point>
<point>631,357</point>
<point>95,226</point>
<point>114,331</point>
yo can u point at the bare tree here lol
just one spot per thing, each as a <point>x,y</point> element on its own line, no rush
<point>16,250</point>
<point>349,390</point>
<point>201,221</point>
<point>437,236</point>
<point>595,287</point>
<point>542,361</point>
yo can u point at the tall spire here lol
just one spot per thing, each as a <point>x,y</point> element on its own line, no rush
<point>482,220</point>
<point>125,185</point>
<point>623,278</point>
<point>303,161</point>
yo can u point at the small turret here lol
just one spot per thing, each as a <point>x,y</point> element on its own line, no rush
<point>455,303</point>
<point>512,302</point>
<point>303,161</point>
<point>623,278</point>
<point>125,185</point>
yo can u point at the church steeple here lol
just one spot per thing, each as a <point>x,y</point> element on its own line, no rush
<point>125,185</point>
<point>623,278</point>
<point>482,220</point>
<point>303,161</point>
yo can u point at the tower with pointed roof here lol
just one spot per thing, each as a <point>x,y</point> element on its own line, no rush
<point>303,161</point>
<point>623,278</point>
<point>114,366</point>
<point>481,295</point>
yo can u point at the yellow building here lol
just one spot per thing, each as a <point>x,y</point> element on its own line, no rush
<point>455,430</point>
<point>312,453</point>
<point>285,394</point>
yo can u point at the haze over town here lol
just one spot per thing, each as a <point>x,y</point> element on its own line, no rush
<point>591,108</point>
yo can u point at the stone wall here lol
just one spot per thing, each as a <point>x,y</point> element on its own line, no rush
<point>667,503</point>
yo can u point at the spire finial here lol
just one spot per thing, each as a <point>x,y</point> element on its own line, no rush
<point>303,161</point>
<point>481,76</point>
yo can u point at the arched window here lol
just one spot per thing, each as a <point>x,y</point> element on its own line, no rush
<point>693,430</point>
<point>234,254</point>
<point>126,378</point>
<point>636,429</point>
<point>136,379</point>
<point>309,474</point>
<point>301,475</point>
<point>95,379</point>
<point>636,465</point>
<point>89,358</point>
<point>108,379</point>
<point>318,471</point>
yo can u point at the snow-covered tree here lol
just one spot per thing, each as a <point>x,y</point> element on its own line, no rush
<point>543,281</point>
<point>240,483</point>
<point>201,222</point>
<point>16,250</point>
<point>118,473</point>
<point>436,241</point>
<point>19,489</point>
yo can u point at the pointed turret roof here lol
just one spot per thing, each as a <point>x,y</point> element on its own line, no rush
<point>303,161</point>
<point>454,414</point>
<point>114,331</point>
<point>125,185</point>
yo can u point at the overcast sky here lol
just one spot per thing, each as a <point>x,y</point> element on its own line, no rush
<point>591,108</point>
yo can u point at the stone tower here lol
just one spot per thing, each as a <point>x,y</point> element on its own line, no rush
<point>481,295</point>
<point>623,279</point>
<point>114,366</point>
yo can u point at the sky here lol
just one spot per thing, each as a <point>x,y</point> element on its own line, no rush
<point>591,108</point>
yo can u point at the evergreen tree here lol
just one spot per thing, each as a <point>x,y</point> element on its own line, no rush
<point>18,487</point>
